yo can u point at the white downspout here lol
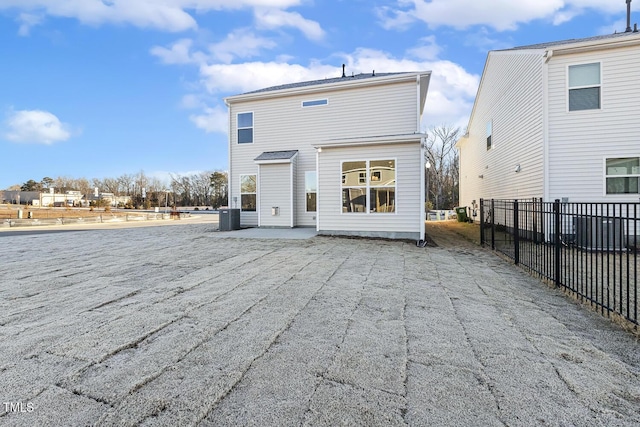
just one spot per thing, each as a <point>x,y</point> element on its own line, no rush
<point>317,190</point>
<point>545,125</point>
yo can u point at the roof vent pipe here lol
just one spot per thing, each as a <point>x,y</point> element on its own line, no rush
<point>628,30</point>
<point>374,73</point>
<point>343,74</point>
<point>635,28</point>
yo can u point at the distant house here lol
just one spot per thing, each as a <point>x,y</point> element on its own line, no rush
<point>344,155</point>
<point>556,120</point>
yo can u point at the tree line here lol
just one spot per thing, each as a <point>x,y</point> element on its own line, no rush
<point>207,188</point>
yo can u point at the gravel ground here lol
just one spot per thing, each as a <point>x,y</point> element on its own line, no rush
<point>175,326</point>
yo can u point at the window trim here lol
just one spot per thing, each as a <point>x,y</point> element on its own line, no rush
<point>255,193</point>
<point>599,86</point>
<point>490,144</point>
<point>310,103</point>
<point>252,127</point>
<point>606,175</point>
<point>367,186</point>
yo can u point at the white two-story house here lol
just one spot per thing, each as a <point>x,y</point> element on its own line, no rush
<point>557,120</point>
<point>344,155</point>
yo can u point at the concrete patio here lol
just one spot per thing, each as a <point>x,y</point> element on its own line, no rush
<point>183,325</point>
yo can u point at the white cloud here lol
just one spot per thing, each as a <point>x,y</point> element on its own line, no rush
<point>241,43</point>
<point>35,126</point>
<point>178,53</point>
<point>213,119</point>
<point>428,50</point>
<point>499,14</point>
<point>274,18</point>
<point>167,15</point>
<point>27,21</point>
<point>238,78</point>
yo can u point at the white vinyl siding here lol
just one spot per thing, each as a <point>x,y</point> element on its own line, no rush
<point>511,99</point>
<point>352,112</point>
<point>408,206</point>
<point>275,192</point>
<point>579,141</point>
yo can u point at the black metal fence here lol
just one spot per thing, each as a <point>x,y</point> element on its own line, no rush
<point>590,249</point>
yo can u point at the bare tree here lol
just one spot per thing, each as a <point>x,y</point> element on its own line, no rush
<point>443,158</point>
<point>125,185</point>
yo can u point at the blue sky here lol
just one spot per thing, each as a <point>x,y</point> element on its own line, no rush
<point>100,88</point>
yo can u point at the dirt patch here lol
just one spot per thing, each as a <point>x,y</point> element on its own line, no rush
<point>469,231</point>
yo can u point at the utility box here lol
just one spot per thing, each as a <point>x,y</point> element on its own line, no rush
<point>229,219</point>
<point>599,233</point>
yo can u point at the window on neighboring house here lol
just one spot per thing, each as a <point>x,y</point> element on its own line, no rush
<point>310,189</point>
<point>489,134</point>
<point>622,175</point>
<point>245,128</point>
<point>369,186</point>
<point>315,103</point>
<point>248,192</point>
<point>584,87</point>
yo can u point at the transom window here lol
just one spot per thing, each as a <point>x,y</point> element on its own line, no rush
<point>248,192</point>
<point>315,102</point>
<point>584,87</point>
<point>245,128</point>
<point>622,175</point>
<point>369,186</point>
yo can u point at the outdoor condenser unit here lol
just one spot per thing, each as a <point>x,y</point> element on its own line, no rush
<point>599,233</point>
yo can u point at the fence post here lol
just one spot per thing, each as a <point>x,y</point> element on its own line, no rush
<point>493,225</point>
<point>557,246</point>
<point>482,222</point>
<point>516,233</point>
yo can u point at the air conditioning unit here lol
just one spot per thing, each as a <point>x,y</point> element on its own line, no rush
<point>599,233</point>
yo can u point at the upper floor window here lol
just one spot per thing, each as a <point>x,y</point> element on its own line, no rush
<point>622,175</point>
<point>245,128</point>
<point>315,102</point>
<point>584,87</point>
<point>489,134</point>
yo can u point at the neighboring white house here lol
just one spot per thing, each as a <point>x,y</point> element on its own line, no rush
<point>557,120</point>
<point>344,155</point>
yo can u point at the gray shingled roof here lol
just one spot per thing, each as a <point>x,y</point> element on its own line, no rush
<point>322,82</point>
<point>571,41</point>
<point>276,155</point>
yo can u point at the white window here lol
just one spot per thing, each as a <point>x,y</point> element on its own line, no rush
<point>489,134</point>
<point>245,128</point>
<point>622,175</point>
<point>584,87</point>
<point>248,192</point>
<point>369,186</point>
<point>315,103</point>
<point>310,190</point>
